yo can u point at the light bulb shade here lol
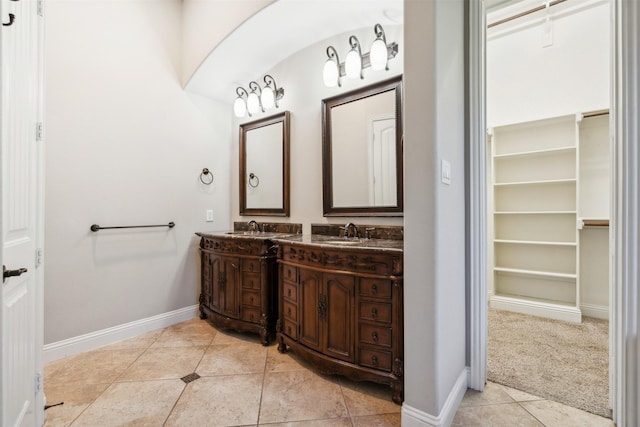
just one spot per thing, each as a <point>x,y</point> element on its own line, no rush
<point>353,64</point>
<point>378,55</point>
<point>330,73</point>
<point>253,103</point>
<point>268,98</point>
<point>239,107</point>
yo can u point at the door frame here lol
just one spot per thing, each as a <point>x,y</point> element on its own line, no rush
<point>625,204</point>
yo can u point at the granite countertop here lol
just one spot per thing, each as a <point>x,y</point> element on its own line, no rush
<point>313,240</point>
<point>258,235</point>
<point>334,242</point>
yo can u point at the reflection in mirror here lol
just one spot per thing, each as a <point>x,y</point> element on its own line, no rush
<point>264,166</point>
<point>362,151</point>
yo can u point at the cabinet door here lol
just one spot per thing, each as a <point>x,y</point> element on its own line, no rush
<point>310,287</point>
<point>230,298</point>
<point>339,316</point>
<point>217,282</point>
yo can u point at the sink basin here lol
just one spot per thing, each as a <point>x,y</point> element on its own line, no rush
<point>343,242</point>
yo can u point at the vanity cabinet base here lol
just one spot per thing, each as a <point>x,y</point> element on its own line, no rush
<point>331,366</point>
<point>239,284</point>
<point>266,333</point>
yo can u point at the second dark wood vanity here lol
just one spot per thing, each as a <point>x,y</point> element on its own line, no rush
<point>341,306</point>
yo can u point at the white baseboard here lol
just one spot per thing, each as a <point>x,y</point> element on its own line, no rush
<point>597,311</point>
<point>412,417</point>
<point>537,308</point>
<point>93,340</point>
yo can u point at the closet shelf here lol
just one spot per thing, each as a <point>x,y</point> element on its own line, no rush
<point>534,212</point>
<point>557,150</point>
<point>594,223</point>
<point>540,182</point>
<point>537,273</point>
<point>536,242</point>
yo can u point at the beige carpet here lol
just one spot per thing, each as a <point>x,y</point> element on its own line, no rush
<point>564,362</point>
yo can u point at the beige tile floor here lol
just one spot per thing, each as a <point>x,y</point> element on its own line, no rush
<point>137,382</point>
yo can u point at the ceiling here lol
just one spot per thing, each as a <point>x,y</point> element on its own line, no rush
<point>280,30</point>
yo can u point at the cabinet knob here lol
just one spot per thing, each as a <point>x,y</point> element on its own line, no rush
<point>251,317</point>
<point>374,336</point>
<point>374,289</point>
<point>251,300</point>
<point>289,330</point>
<point>374,360</point>
<point>288,292</point>
<point>289,311</point>
<point>374,312</point>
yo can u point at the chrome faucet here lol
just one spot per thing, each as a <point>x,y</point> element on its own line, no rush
<point>253,226</point>
<point>351,226</point>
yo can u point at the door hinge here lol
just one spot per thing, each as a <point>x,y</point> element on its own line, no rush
<point>40,7</point>
<point>37,383</point>
<point>38,257</point>
<point>39,131</point>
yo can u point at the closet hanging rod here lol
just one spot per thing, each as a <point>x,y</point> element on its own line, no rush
<point>96,227</point>
<point>525,13</point>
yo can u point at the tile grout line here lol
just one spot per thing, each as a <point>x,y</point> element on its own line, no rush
<point>345,401</point>
<point>528,412</point>
<point>113,381</point>
<point>206,348</point>
<point>264,376</point>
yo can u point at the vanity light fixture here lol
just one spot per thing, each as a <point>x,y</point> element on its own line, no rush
<point>353,62</point>
<point>271,93</point>
<point>331,72</point>
<point>259,99</point>
<point>356,62</point>
<point>240,104</point>
<point>253,100</point>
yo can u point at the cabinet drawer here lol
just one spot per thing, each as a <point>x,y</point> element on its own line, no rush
<point>290,273</point>
<point>290,311</point>
<point>251,280</point>
<point>378,311</point>
<point>290,329</point>
<point>290,291</point>
<point>373,334</point>
<point>251,298</point>
<point>250,314</point>
<point>378,288</point>
<point>252,265</point>
<point>375,359</point>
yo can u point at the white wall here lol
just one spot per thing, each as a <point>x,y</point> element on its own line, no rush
<point>526,81</point>
<point>301,77</point>
<point>435,248</point>
<point>125,146</point>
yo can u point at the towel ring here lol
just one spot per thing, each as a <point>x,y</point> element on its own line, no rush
<point>206,172</point>
<point>254,181</point>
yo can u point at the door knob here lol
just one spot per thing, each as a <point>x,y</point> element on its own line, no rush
<point>11,273</point>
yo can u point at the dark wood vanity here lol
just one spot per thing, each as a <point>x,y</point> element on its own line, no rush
<point>341,306</point>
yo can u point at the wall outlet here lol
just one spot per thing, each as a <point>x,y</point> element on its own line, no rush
<point>209,215</point>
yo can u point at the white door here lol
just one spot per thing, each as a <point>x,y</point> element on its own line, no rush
<point>383,162</point>
<point>20,56</point>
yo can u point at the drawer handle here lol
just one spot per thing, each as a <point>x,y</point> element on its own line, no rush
<point>374,312</point>
<point>251,300</point>
<point>289,273</point>
<point>251,317</point>
<point>374,289</point>
<point>251,267</point>
<point>289,311</point>
<point>289,330</point>
<point>374,360</point>
<point>374,336</point>
<point>289,292</point>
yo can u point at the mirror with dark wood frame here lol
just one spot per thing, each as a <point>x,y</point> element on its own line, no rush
<point>264,166</point>
<point>362,151</point>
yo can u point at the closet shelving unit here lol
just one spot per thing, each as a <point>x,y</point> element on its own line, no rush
<point>545,191</point>
<point>535,246</point>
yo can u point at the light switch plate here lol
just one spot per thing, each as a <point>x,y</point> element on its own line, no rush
<point>209,215</point>
<point>446,172</point>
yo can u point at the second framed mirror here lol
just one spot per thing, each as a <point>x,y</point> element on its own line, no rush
<point>264,166</point>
